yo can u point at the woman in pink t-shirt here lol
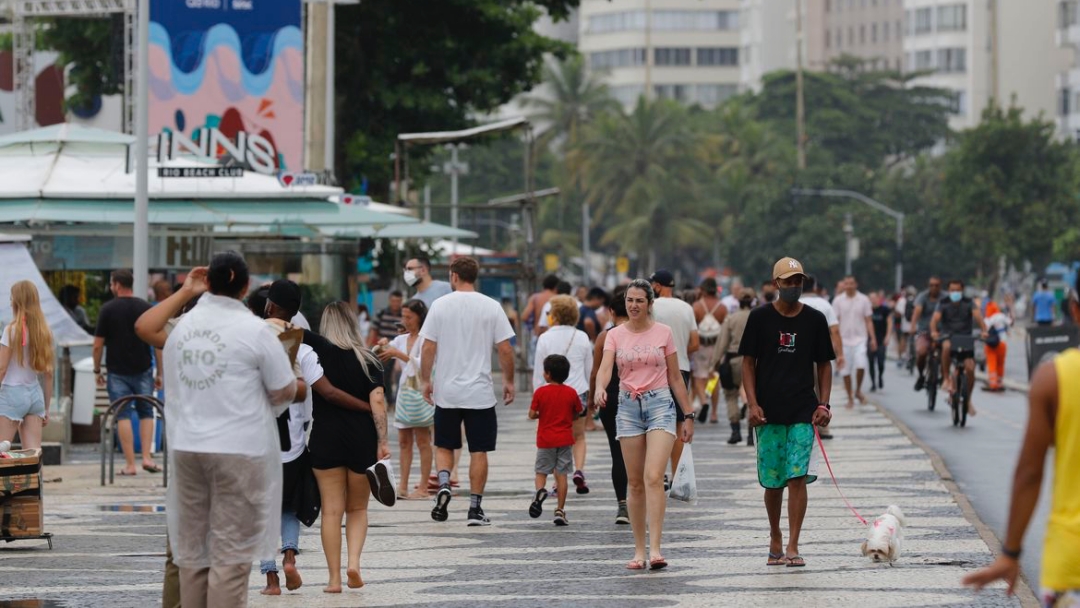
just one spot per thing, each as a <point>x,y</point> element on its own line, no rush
<point>648,376</point>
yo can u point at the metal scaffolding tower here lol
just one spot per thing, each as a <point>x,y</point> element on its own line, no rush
<point>24,37</point>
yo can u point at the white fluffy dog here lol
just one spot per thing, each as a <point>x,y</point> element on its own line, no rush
<point>886,536</point>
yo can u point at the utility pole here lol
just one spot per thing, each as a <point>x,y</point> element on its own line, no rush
<point>849,233</point>
<point>800,110</point>
<point>586,244</point>
<point>140,263</point>
<point>994,47</point>
<point>454,168</point>
<point>648,50</point>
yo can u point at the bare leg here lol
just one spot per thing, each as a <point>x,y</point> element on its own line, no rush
<point>713,414</point>
<point>859,375</point>
<point>356,524</point>
<point>699,390</point>
<point>8,428</point>
<point>560,485</point>
<point>847,388</point>
<point>30,432</point>
<point>541,481</point>
<point>796,514</point>
<point>969,378</point>
<point>774,502</point>
<point>405,443</point>
<point>579,444</point>
<point>454,471</point>
<point>127,442</point>
<point>946,361</point>
<point>444,459</point>
<point>676,453</point>
<point>146,438</point>
<point>478,472</point>
<point>423,443</point>
<point>332,488</point>
<point>633,449</point>
<point>657,447</point>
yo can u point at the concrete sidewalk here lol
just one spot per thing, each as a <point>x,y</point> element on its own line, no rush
<point>717,549</point>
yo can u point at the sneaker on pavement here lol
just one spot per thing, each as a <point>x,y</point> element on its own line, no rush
<point>382,488</point>
<point>579,481</point>
<point>442,499</point>
<point>560,518</point>
<point>623,516</point>
<point>477,517</point>
<point>536,509</point>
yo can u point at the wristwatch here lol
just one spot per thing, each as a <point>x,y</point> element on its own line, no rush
<point>691,416</point>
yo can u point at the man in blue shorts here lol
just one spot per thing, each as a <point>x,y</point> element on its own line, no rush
<point>785,343</point>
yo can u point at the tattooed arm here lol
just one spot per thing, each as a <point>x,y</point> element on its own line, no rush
<point>378,412</point>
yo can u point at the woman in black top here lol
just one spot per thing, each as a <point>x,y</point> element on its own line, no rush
<point>607,414</point>
<point>345,442</point>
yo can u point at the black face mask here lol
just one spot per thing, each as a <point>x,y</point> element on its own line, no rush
<point>791,294</point>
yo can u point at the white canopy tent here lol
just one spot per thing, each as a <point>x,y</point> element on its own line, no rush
<point>17,265</point>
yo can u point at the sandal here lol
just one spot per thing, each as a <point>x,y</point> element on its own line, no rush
<point>151,468</point>
<point>124,473</point>
<point>657,563</point>
<point>635,564</point>
<point>795,561</point>
<point>776,559</point>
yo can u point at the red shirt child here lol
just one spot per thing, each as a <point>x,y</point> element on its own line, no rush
<point>556,405</point>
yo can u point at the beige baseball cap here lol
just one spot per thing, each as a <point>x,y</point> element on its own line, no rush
<point>787,267</point>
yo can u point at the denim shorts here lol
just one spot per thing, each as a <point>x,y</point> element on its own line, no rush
<point>650,411</point>
<point>18,401</point>
<point>120,386</point>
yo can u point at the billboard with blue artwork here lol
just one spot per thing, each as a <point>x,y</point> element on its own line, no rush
<point>230,71</point>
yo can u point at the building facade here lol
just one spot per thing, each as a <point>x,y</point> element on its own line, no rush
<point>869,29</point>
<point>686,50</point>
<point>986,49</point>
<point>1067,82</point>
<point>767,37</point>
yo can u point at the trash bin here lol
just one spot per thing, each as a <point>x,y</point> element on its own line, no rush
<point>82,405</point>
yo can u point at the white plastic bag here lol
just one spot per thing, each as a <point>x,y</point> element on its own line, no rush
<point>684,486</point>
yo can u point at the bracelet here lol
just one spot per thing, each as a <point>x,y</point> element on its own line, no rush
<point>1010,553</point>
<point>826,406</point>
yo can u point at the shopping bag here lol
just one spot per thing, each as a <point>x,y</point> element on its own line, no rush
<point>684,486</point>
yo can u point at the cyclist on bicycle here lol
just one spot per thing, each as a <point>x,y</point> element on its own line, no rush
<point>925,305</point>
<point>953,322</point>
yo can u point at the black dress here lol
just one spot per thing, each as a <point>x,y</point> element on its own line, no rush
<point>341,437</point>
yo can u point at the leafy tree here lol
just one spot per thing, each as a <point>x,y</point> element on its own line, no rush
<point>429,66</point>
<point>94,48</point>
<point>1010,189</point>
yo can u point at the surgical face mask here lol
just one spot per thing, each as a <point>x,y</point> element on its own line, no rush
<point>790,294</point>
<point>410,278</point>
<point>956,296</point>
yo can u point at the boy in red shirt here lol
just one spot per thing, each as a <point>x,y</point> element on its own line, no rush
<point>555,406</point>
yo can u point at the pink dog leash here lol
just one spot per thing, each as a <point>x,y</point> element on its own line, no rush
<point>831,474</point>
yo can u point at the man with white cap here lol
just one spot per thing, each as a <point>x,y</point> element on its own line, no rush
<point>783,345</point>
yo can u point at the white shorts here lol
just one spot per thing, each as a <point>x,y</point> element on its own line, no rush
<point>701,362</point>
<point>855,357</point>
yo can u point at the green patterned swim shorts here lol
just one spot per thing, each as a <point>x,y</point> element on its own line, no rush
<point>785,452</point>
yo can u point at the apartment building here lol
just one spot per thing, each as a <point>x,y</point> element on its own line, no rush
<point>986,49</point>
<point>686,50</point>
<point>1067,82</point>
<point>869,29</point>
<point>767,39</point>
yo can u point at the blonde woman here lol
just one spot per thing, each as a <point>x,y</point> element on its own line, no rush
<point>26,350</point>
<point>345,442</point>
<point>563,338</point>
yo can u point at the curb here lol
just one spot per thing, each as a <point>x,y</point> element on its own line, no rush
<point>1023,590</point>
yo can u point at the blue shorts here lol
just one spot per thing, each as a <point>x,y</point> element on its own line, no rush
<point>18,401</point>
<point>651,411</point>
<point>120,386</point>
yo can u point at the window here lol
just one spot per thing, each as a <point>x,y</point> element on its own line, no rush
<point>678,92</point>
<point>627,94</point>
<point>619,58</point>
<point>952,60</point>
<point>839,38</point>
<point>909,21</point>
<point>862,34</point>
<point>923,60</point>
<point>959,103</point>
<point>828,39</point>
<point>1067,13</point>
<point>617,22</point>
<point>712,95</point>
<point>924,20</point>
<point>672,56</point>
<point>718,56</point>
<point>899,29</point>
<point>695,20</point>
<point>851,36</point>
<point>1064,96</point>
<point>952,18</point>
<point>873,33</point>
<point>885,31</point>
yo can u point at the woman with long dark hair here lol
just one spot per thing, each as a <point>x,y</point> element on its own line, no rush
<point>609,414</point>
<point>346,442</point>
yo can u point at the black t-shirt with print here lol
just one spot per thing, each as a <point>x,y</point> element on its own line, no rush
<point>125,353</point>
<point>785,350</point>
<point>880,318</point>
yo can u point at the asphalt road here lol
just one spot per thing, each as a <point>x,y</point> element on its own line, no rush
<point>982,456</point>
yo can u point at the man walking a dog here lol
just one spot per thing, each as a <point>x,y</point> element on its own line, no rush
<point>785,343</point>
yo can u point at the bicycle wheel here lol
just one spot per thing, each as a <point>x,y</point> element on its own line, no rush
<point>931,385</point>
<point>954,400</point>
<point>965,397</point>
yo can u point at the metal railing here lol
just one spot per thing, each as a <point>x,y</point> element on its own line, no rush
<point>108,429</point>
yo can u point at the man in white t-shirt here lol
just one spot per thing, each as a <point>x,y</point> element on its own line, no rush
<point>679,316</point>
<point>813,299</point>
<point>459,333</point>
<point>544,322</point>
<point>731,300</point>
<point>855,313</point>
<point>418,275</point>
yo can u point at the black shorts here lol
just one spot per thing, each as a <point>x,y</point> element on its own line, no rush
<point>680,416</point>
<point>481,428</point>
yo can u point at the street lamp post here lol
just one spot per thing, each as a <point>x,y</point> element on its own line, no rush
<point>140,263</point>
<point>455,169</point>
<point>862,198</point>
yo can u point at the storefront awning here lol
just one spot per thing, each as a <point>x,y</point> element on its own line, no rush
<point>418,230</point>
<point>198,213</point>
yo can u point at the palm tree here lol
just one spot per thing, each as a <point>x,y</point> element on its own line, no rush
<point>643,172</point>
